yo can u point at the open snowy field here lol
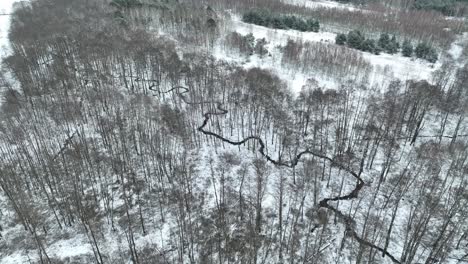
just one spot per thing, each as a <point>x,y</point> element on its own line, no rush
<point>385,67</point>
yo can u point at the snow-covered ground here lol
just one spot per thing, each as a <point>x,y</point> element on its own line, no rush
<point>457,48</point>
<point>6,7</point>
<point>386,67</point>
<point>322,4</point>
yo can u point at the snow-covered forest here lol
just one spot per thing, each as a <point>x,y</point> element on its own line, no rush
<point>234,132</point>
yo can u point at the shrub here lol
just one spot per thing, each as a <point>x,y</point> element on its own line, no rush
<point>393,46</point>
<point>355,39</point>
<point>426,52</point>
<point>432,56</point>
<point>255,17</point>
<point>407,48</point>
<point>313,25</point>
<point>384,41</point>
<point>388,45</point>
<point>368,45</point>
<point>260,47</point>
<point>341,39</point>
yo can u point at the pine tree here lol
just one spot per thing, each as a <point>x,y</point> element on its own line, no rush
<point>384,41</point>
<point>407,48</point>
<point>289,21</point>
<point>422,49</point>
<point>431,55</point>
<point>426,52</point>
<point>301,25</point>
<point>277,23</point>
<point>355,39</point>
<point>368,45</point>
<point>393,46</point>
<point>314,25</point>
<point>340,39</point>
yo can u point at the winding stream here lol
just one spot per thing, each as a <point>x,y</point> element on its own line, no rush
<point>324,203</point>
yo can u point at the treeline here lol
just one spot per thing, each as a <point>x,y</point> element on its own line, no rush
<point>356,40</point>
<point>188,22</point>
<point>446,7</point>
<point>425,26</point>
<point>277,21</point>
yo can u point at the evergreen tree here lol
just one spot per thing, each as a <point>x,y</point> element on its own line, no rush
<point>392,46</point>
<point>377,50</point>
<point>254,17</point>
<point>313,25</point>
<point>341,39</point>
<point>407,48</point>
<point>426,52</point>
<point>368,45</point>
<point>289,21</point>
<point>355,39</point>
<point>431,55</point>
<point>277,23</point>
<point>301,25</point>
<point>422,49</point>
<point>384,41</point>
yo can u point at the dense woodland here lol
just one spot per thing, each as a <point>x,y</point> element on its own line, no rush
<point>119,129</point>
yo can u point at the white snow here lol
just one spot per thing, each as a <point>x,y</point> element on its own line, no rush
<point>322,4</point>
<point>76,246</point>
<point>457,48</point>
<point>6,7</point>
<point>386,67</point>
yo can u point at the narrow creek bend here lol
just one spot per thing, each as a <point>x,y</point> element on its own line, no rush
<point>324,203</point>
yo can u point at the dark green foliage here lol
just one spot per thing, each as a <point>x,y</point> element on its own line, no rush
<point>393,46</point>
<point>446,7</point>
<point>426,52</point>
<point>341,39</point>
<point>387,44</point>
<point>355,39</point>
<point>266,19</point>
<point>368,45</point>
<point>254,17</point>
<point>313,25</point>
<point>407,48</point>
<point>432,56</point>
<point>384,40</point>
<point>421,50</point>
<point>377,50</point>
